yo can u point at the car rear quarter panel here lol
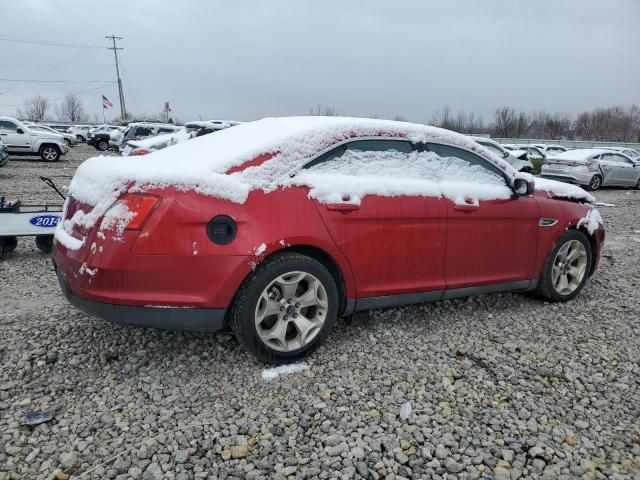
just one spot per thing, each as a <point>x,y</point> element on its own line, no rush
<point>281,219</point>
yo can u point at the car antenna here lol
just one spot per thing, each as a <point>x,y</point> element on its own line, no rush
<point>50,183</point>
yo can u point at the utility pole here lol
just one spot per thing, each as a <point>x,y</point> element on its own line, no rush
<point>123,110</point>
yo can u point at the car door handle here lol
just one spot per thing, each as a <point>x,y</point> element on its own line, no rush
<point>342,207</point>
<point>466,207</point>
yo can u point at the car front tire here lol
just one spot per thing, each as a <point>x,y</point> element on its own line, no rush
<point>286,308</point>
<point>567,268</point>
<point>49,153</point>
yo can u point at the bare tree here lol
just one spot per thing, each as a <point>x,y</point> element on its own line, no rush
<point>71,109</point>
<point>323,111</point>
<point>35,108</point>
<point>505,119</point>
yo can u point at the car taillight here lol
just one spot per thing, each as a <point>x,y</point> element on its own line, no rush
<point>140,205</point>
<point>140,151</point>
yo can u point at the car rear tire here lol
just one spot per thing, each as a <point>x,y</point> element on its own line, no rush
<point>49,153</point>
<point>80,138</point>
<point>44,243</point>
<point>286,308</point>
<point>595,183</point>
<point>567,268</point>
<point>8,245</point>
<point>102,145</point>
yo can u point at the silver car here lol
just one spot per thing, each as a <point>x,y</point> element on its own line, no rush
<point>518,159</point>
<point>593,168</point>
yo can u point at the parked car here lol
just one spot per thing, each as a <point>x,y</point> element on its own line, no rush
<point>4,154</point>
<point>279,226</point>
<point>549,149</point>
<point>23,140</point>
<point>69,139</point>
<point>99,137</point>
<point>517,159</point>
<point>81,132</point>
<point>593,168</point>
<point>629,152</point>
<point>140,130</point>
<point>58,127</point>
<point>190,130</point>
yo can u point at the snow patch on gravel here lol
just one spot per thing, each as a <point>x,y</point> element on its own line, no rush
<point>271,373</point>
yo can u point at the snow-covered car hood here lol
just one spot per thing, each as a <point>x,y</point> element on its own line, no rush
<point>556,189</point>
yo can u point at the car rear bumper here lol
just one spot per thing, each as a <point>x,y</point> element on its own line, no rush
<point>170,318</point>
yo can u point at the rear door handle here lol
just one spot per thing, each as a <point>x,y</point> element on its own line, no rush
<point>342,207</point>
<point>466,207</point>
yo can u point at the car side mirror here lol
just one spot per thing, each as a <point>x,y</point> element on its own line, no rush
<point>522,187</point>
<point>20,131</point>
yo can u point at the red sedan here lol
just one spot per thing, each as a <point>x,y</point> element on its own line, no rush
<point>278,227</point>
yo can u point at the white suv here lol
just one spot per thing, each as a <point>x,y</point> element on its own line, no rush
<point>22,140</point>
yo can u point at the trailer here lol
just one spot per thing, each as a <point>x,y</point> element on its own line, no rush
<point>25,220</point>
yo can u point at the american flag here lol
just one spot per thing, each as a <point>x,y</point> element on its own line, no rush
<point>106,103</point>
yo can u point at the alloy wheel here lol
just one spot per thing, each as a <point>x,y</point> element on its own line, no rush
<point>291,311</point>
<point>595,182</point>
<point>50,154</point>
<point>569,267</point>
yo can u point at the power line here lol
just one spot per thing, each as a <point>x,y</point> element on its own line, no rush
<point>74,93</point>
<point>7,38</point>
<point>50,81</point>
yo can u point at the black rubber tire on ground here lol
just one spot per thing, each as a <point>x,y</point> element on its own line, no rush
<point>44,243</point>
<point>49,153</point>
<point>595,183</point>
<point>67,142</point>
<point>80,138</point>
<point>637,187</point>
<point>8,244</point>
<point>545,288</point>
<point>242,317</point>
<point>102,145</point>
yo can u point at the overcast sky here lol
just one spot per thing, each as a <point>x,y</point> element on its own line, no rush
<point>249,59</point>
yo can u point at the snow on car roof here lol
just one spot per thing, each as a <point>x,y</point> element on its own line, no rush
<point>169,138</point>
<point>200,164</point>
<point>578,154</point>
<point>276,150</point>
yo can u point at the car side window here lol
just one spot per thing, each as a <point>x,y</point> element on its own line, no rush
<point>380,146</point>
<point>165,130</point>
<point>455,152</point>
<point>8,126</point>
<point>401,146</point>
<point>143,132</point>
<point>622,159</point>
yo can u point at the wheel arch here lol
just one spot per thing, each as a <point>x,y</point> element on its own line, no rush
<point>330,263</point>
<point>339,272</point>
<point>592,243</point>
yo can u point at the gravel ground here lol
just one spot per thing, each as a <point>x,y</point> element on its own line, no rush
<point>500,386</point>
